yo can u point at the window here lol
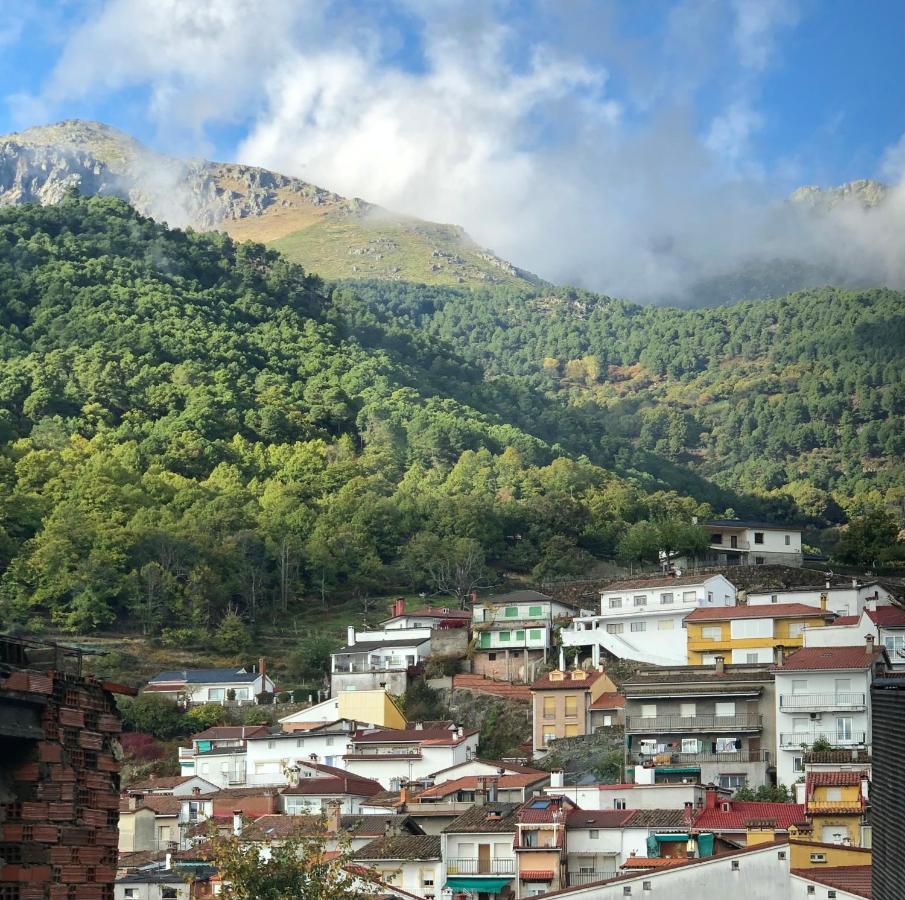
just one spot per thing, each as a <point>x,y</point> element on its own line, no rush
<point>796,629</point>
<point>511,612</point>
<point>535,634</point>
<point>725,708</point>
<point>271,745</point>
<point>491,657</point>
<point>571,705</point>
<point>329,741</point>
<point>666,625</point>
<point>130,893</point>
<point>895,645</point>
<point>752,657</point>
<point>712,632</point>
<point>689,596</point>
<point>641,600</point>
<point>758,537</point>
<point>549,733</point>
<point>666,598</point>
<point>593,834</point>
<point>535,612</point>
<point>216,693</point>
<point>716,538</point>
<point>688,710</point>
<point>299,742</point>
<point>241,693</point>
<point>788,540</point>
<point>607,721</point>
<point>504,636</point>
<point>727,745</point>
<point>843,728</point>
<point>648,710</point>
<point>619,803</point>
<point>615,628</point>
<point>760,560</point>
<point>834,794</point>
<point>774,598</point>
<point>799,685</point>
<point>741,629</point>
<point>842,685</point>
<point>710,596</point>
<point>427,878</point>
<point>797,763</point>
<point>615,602</point>
<point>484,642</point>
<point>733,782</point>
<point>520,635</point>
<point>638,626</point>
<point>549,707</point>
<point>571,729</point>
<point>168,893</point>
<point>690,745</point>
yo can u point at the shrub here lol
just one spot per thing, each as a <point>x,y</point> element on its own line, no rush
<point>206,716</point>
<point>155,714</point>
<point>284,697</point>
<point>265,698</point>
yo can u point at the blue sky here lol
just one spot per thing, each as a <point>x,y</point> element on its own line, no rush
<point>503,116</point>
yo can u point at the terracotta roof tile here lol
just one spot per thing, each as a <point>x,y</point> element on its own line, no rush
<point>160,804</point>
<point>411,736</point>
<point>773,611</point>
<point>657,818</point>
<point>837,757</point>
<point>406,846</point>
<point>829,658</point>
<point>610,700</point>
<point>854,879</point>
<point>598,818</point>
<point>652,862</point>
<point>743,811</point>
<point>470,783</point>
<point>846,620</point>
<point>574,679</point>
<point>887,616</point>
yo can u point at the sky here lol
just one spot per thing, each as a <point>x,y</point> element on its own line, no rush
<point>622,145</point>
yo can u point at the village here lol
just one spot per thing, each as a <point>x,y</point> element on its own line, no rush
<point>743,731</point>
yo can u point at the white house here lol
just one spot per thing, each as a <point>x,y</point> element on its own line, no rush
<point>315,787</point>
<point>737,542</point>
<point>393,756</point>
<point>272,757</point>
<point>886,623</point>
<point>374,660</point>
<point>213,685</point>
<point>433,617</point>
<point>642,619</point>
<point>823,694</point>
<point>217,754</point>
<point>407,862</point>
<point>843,599</point>
<point>665,795</point>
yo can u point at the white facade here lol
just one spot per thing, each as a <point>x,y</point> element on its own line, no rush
<point>757,874</point>
<point>644,621</point>
<point>844,600</point>
<point>631,796</point>
<point>419,877</point>
<point>469,853</point>
<point>153,887</point>
<point>326,711</point>
<point>801,888</point>
<point>225,768</point>
<point>270,755</point>
<point>810,704</point>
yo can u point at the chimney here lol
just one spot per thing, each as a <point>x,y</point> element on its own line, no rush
<point>493,784</point>
<point>474,597</point>
<point>196,791</point>
<point>333,815</point>
<point>262,670</point>
<point>855,583</point>
<point>419,726</point>
<point>869,643</point>
<point>710,798</point>
<point>720,665</point>
<point>562,659</point>
<point>399,607</point>
<point>168,861</point>
<point>135,800</point>
<point>556,779</point>
<point>350,636</point>
<point>404,794</point>
<point>823,601</point>
<point>780,655</point>
<point>688,816</point>
<point>460,733</point>
<point>480,792</point>
<point>827,584</point>
<point>237,822</point>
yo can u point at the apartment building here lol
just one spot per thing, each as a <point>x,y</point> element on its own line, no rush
<point>740,542</point>
<point>713,724</point>
<point>823,695</point>
<point>642,619</point>
<point>836,806</point>
<point>750,634</point>
<point>513,633</point>
<point>849,599</point>
<point>540,846</point>
<point>478,851</point>
<point>561,703</point>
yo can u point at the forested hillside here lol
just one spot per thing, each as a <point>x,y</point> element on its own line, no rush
<point>802,397</point>
<point>192,432</point>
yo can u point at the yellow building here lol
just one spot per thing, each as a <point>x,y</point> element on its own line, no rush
<point>749,634</point>
<point>835,803</point>
<point>807,854</point>
<point>374,707</point>
<point>561,703</point>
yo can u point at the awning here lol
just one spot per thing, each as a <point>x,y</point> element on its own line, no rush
<point>670,837</point>
<point>475,884</point>
<point>542,875</point>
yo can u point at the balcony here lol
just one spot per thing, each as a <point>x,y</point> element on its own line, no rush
<point>577,879</point>
<point>387,665</point>
<point>472,866</point>
<point>186,754</point>
<point>818,806</point>
<point>685,724</point>
<point>797,739</point>
<point>821,702</point>
<point>370,752</point>
<point>684,759</point>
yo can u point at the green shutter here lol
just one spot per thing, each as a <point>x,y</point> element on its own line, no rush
<point>520,635</point>
<point>504,635</point>
<point>535,611</point>
<point>485,639</point>
<point>535,634</point>
<point>511,612</point>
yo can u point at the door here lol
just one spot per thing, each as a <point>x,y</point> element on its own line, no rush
<point>733,542</point>
<point>484,859</point>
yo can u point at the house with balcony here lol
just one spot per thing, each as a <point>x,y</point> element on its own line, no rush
<point>395,757</point>
<point>273,757</point>
<point>561,703</point>
<point>823,696</point>
<point>217,754</point>
<point>226,686</point>
<point>886,622</point>
<point>478,851</point>
<point>836,806</point>
<point>513,633</point>
<point>379,660</point>
<point>540,845</point>
<point>713,724</point>
<point>750,634</point>
<point>850,598</point>
<point>409,862</point>
<point>642,619</point>
<point>740,542</point>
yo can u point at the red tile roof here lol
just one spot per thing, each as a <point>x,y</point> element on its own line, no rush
<point>652,862</point>
<point>536,875</point>
<point>160,804</point>
<point>411,736</point>
<point>743,811</point>
<point>571,680</point>
<point>887,616</point>
<point>610,700</point>
<point>834,779</point>
<point>470,783</point>
<point>773,611</point>
<point>829,658</point>
<point>854,879</point>
<point>335,784</point>
<point>533,813</point>
<point>846,620</point>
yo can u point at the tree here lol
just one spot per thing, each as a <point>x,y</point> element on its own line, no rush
<point>206,715</point>
<point>641,543</point>
<point>155,714</point>
<point>869,540</point>
<point>295,867</point>
<point>460,571</point>
<point>232,635</point>
<point>310,662</point>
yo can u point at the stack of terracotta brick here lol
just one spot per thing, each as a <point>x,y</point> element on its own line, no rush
<point>59,803</point>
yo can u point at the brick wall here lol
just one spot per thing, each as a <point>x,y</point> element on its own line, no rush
<point>59,787</point>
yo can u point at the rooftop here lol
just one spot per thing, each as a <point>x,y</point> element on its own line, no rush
<point>657,818</point>
<point>751,523</point>
<point>854,879</point>
<point>163,784</point>
<point>773,611</point>
<point>471,783</point>
<point>743,811</point>
<point>433,612</point>
<point>819,658</point>
<point>492,817</point>
<point>334,784</point>
<point>664,581</point>
<point>205,676</point>
<point>702,675</point>
<point>887,616</point>
<point>412,736</point>
<point>364,646</point>
<point>837,757</point>
<point>602,818</point>
<point>526,596</point>
<point>569,680</point>
<point>403,846</point>
<point>229,732</point>
<point>159,804</point>
<point>609,700</point>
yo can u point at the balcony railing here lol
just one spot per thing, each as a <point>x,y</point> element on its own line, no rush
<point>675,759</point>
<point>813,806</point>
<point>472,866</point>
<point>661,724</point>
<point>186,753</point>
<point>576,879</point>
<point>387,665</point>
<point>796,739</point>
<point>413,752</point>
<point>818,702</point>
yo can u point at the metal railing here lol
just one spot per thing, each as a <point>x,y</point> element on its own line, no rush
<point>658,724</point>
<point>576,879</point>
<point>472,866</point>
<point>415,753</point>
<point>387,665</point>
<point>796,739</point>
<point>736,756</point>
<point>821,701</point>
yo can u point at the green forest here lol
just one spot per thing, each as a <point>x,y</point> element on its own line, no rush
<point>195,433</point>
